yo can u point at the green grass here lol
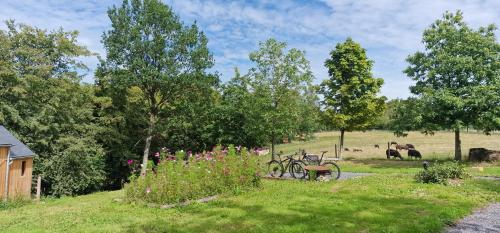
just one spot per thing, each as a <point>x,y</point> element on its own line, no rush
<point>387,201</point>
<point>378,203</point>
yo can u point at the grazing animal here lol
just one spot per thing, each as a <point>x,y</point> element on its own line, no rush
<point>357,150</point>
<point>377,146</point>
<point>410,146</point>
<point>401,147</point>
<point>394,143</point>
<point>393,153</point>
<point>346,149</point>
<point>414,153</point>
<point>404,135</point>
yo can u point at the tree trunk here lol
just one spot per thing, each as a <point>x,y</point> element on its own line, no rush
<point>272,146</point>
<point>147,145</point>
<point>458,147</point>
<point>342,131</point>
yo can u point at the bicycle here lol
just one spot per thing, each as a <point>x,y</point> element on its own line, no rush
<point>276,167</point>
<point>333,170</point>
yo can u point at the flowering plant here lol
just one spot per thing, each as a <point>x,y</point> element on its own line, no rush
<point>185,175</point>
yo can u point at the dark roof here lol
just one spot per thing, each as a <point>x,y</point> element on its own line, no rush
<point>17,149</point>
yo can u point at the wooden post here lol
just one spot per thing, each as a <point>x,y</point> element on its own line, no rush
<point>340,148</point>
<point>336,155</point>
<point>388,153</point>
<point>38,188</point>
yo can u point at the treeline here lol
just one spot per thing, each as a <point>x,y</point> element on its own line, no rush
<point>153,89</point>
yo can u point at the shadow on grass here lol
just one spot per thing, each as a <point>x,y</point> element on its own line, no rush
<point>333,212</point>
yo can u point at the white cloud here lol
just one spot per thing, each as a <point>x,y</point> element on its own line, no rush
<point>388,29</point>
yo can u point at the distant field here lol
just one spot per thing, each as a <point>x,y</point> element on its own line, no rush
<point>438,146</point>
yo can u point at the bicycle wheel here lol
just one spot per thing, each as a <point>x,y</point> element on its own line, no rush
<point>297,170</point>
<point>334,173</point>
<point>275,168</point>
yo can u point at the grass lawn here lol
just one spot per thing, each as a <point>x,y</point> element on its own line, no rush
<point>387,201</point>
<point>377,203</point>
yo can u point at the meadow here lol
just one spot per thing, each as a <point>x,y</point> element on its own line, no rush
<point>389,200</point>
<point>437,146</point>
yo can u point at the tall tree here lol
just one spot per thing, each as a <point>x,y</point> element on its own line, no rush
<point>43,102</point>
<point>276,80</point>
<point>350,94</point>
<point>149,47</point>
<point>457,77</point>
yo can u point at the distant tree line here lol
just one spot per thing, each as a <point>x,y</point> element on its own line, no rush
<point>153,89</point>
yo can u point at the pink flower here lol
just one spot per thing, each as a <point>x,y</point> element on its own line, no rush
<point>130,161</point>
<point>157,154</point>
<point>148,190</point>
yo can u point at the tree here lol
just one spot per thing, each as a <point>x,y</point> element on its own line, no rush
<point>405,115</point>
<point>149,48</point>
<point>276,81</point>
<point>350,94</point>
<point>459,67</point>
<point>239,119</point>
<point>44,104</point>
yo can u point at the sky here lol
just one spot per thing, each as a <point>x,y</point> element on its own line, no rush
<point>389,30</point>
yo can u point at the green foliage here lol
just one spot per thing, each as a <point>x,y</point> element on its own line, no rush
<point>45,106</point>
<point>239,119</point>
<point>440,173</point>
<point>313,174</point>
<point>201,176</point>
<point>77,167</point>
<point>276,82</point>
<point>406,115</point>
<point>457,77</point>
<point>350,94</point>
<point>148,47</point>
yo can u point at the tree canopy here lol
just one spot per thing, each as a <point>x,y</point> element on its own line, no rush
<point>457,77</point>
<point>278,79</point>
<point>148,47</point>
<point>350,93</point>
<point>44,104</point>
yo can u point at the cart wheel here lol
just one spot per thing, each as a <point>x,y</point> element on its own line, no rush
<point>275,169</point>
<point>334,173</point>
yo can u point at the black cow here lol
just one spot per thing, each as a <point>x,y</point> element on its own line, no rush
<point>410,146</point>
<point>414,153</point>
<point>393,153</point>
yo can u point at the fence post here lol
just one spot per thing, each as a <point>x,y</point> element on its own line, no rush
<point>336,155</point>
<point>38,188</point>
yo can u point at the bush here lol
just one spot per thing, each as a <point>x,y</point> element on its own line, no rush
<point>77,167</point>
<point>199,176</point>
<point>440,173</point>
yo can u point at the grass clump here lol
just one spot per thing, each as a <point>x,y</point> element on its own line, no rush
<point>201,175</point>
<point>441,173</point>
<point>13,203</point>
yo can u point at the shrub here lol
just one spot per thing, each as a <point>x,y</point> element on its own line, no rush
<point>201,175</point>
<point>440,173</point>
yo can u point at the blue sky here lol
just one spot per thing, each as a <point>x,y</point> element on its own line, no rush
<point>388,29</point>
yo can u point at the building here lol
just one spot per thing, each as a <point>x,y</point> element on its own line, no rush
<point>16,166</point>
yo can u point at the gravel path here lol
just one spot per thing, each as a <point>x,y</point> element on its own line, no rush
<point>483,220</point>
<point>343,175</point>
